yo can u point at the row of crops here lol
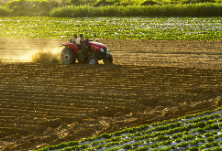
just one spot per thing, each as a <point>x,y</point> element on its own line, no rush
<point>193,132</point>
<point>143,28</point>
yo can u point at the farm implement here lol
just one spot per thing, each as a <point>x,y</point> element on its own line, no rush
<point>87,52</point>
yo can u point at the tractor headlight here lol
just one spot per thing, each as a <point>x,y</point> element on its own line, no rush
<point>101,49</point>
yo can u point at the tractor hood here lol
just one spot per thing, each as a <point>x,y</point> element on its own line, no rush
<point>96,45</point>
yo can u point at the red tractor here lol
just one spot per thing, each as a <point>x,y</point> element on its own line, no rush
<point>87,52</point>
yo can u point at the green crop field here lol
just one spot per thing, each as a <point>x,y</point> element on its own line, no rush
<point>193,132</point>
<point>143,28</point>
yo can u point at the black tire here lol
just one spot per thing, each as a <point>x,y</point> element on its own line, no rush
<point>92,60</point>
<point>68,56</point>
<point>108,60</point>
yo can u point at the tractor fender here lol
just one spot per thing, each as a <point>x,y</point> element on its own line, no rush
<point>70,45</point>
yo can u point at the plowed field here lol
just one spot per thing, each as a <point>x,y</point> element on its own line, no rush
<point>45,103</point>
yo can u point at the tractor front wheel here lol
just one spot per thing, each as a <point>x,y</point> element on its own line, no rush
<point>92,60</point>
<point>68,56</point>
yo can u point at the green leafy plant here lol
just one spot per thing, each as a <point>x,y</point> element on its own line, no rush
<point>162,137</point>
<point>210,139</point>
<point>201,124</point>
<point>94,143</point>
<point>193,149</point>
<point>199,136</point>
<point>144,148</point>
<point>187,137</point>
<point>217,149</point>
<point>215,143</point>
<point>201,140</point>
<point>154,145</point>
<point>124,140</point>
<point>106,135</point>
<point>117,133</point>
<point>194,142</point>
<point>115,138</point>
<point>99,147</point>
<point>178,140</point>
<point>167,142</point>
<point>211,121</point>
<point>200,130</point>
<point>139,138</point>
<point>178,135</point>
<point>184,144</point>
<point>128,146</point>
<point>207,145</point>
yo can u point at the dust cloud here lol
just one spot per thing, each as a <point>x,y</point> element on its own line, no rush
<point>28,50</point>
<point>46,57</point>
<point>35,56</point>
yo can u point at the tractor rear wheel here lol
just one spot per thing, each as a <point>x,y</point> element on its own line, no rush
<point>68,56</point>
<point>92,60</point>
<point>108,60</point>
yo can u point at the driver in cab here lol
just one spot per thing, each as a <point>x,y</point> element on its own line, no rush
<point>76,40</point>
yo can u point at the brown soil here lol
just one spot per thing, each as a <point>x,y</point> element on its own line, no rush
<point>43,102</point>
